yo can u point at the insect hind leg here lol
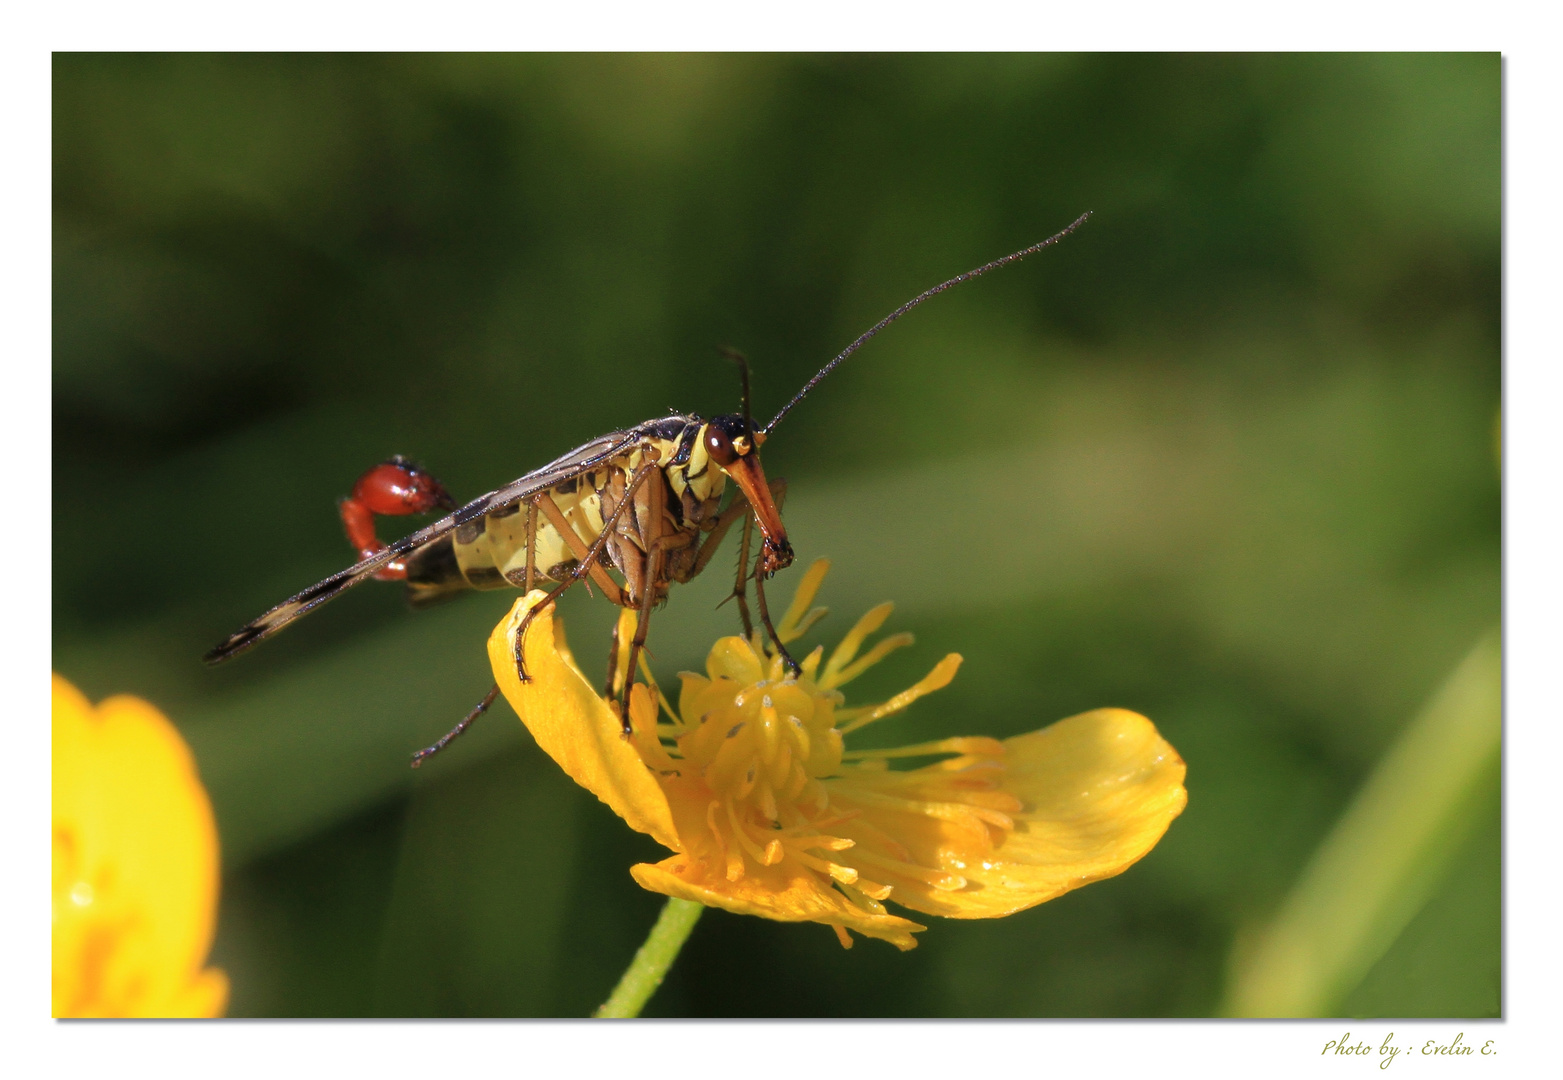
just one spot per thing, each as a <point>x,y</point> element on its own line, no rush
<point>589,561</point>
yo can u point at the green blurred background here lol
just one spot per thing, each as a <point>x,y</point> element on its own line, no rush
<point>1225,457</point>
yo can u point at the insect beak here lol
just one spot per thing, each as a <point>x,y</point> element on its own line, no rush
<point>750,478</point>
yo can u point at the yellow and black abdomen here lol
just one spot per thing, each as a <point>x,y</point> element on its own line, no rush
<point>490,552</point>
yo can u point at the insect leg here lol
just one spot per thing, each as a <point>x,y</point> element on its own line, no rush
<point>588,561</point>
<point>656,547</point>
<point>765,618</point>
<point>531,544</point>
<point>613,663</point>
<point>708,548</point>
<point>578,546</point>
<point>393,487</point>
<point>719,526</point>
<point>638,642</point>
<point>724,521</point>
<point>445,740</point>
<point>741,584</point>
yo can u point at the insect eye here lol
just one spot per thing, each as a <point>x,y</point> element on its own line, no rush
<point>719,446</point>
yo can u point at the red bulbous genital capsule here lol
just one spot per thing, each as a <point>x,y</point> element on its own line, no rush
<point>393,488</point>
<point>399,487</point>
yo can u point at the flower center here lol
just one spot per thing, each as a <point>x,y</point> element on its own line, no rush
<point>761,745</point>
<point>762,789</point>
<point>752,751</point>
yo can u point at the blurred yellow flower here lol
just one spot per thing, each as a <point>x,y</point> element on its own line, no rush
<point>135,865</point>
<point>750,783</point>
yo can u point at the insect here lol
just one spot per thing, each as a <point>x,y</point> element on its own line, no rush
<point>645,502</point>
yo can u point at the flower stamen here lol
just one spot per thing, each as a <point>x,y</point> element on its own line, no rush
<point>937,679</point>
<point>733,859</point>
<point>882,648</point>
<point>838,872</point>
<point>974,745</point>
<point>866,894</point>
<point>767,800</point>
<point>794,623</point>
<point>942,880</point>
<point>817,842</point>
<point>945,811</point>
<point>872,834</point>
<point>872,620</point>
<point>745,841</point>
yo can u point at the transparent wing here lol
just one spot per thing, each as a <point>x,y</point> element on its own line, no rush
<point>577,461</point>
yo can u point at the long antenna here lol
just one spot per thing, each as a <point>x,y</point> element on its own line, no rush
<point>918,299</point>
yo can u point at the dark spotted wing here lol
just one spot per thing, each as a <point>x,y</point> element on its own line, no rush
<point>572,464</point>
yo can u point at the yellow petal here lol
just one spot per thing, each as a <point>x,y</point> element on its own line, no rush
<point>135,864</point>
<point>787,892</point>
<point>1097,791</point>
<point>573,725</point>
<point>206,995</point>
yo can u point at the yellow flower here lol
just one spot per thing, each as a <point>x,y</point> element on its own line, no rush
<point>135,865</point>
<point>750,783</point>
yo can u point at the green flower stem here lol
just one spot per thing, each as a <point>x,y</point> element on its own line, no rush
<point>646,972</point>
<point>1385,856</point>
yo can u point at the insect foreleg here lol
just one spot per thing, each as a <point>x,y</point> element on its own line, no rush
<point>765,617</point>
<point>588,561</point>
<point>739,508</point>
<point>445,740</point>
<point>726,520</point>
<point>741,583</point>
